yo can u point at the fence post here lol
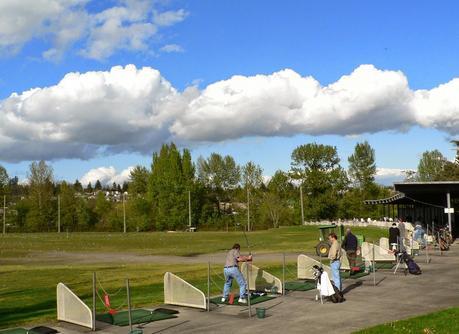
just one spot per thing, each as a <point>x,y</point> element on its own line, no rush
<point>129,304</point>
<point>283,274</point>
<point>208,286</point>
<point>94,301</point>
<point>374,266</point>
<point>249,268</point>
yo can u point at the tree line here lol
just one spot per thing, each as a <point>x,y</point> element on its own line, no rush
<point>215,191</point>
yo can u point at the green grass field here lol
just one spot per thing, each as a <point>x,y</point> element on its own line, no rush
<point>28,285</point>
<point>443,322</point>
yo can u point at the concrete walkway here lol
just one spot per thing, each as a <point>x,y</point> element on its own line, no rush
<point>394,297</point>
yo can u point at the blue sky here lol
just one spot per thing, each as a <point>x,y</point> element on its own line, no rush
<point>211,41</point>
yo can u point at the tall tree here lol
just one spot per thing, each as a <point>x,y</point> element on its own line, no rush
<point>98,186</point>
<point>220,175</point>
<point>77,186</point>
<point>362,166</point>
<point>317,167</point>
<point>42,212</point>
<point>138,180</point>
<point>69,219</point>
<point>431,166</point>
<point>168,187</point>
<point>4,179</point>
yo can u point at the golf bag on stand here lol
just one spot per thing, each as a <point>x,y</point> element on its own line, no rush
<point>330,290</point>
<point>412,266</point>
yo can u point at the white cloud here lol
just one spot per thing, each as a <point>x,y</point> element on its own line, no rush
<point>86,114</point>
<point>171,48</point>
<point>284,103</point>
<point>169,18</point>
<point>387,176</point>
<point>135,110</point>
<point>106,176</point>
<point>127,25</point>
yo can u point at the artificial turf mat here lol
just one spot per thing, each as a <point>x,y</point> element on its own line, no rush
<point>300,285</point>
<point>138,316</point>
<point>347,274</point>
<point>253,300</point>
<point>16,331</point>
<point>385,265</point>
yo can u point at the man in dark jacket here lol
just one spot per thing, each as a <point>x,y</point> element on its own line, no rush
<point>394,235</point>
<point>350,245</point>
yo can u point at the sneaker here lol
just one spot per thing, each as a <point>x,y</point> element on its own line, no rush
<point>242,301</point>
<point>223,299</point>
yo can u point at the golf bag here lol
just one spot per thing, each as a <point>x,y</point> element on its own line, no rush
<point>413,268</point>
<point>336,297</point>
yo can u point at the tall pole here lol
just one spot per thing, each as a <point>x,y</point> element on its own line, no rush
<point>189,210</point>
<point>448,201</point>
<point>302,207</point>
<point>58,213</point>
<point>4,214</point>
<point>129,304</point>
<point>208,286</point>
<point>283,274</point>
<point>94,301</point>
<point>248,288</point>
<point>248,209</point>
<point>124,213</point>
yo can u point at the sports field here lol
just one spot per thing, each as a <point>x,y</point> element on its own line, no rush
<point>32,264</point>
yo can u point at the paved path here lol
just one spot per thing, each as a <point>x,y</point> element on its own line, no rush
<point>394,297</point>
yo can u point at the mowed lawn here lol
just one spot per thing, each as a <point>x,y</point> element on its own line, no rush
<point>443,322</point>
<point>28,288</point>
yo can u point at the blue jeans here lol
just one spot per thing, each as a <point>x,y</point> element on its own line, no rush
<point>335,266</point>
<point>230,274</point>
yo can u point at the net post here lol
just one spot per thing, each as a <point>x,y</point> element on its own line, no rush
<point>283,274</point>
<point>208,286</point>
<point>374,266</point>
<point>94,301</point>
<point>129,304</point>
<point>249,268</point>
<point>439,243</point>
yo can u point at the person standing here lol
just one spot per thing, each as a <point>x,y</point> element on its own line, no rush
<point>394,236</point>
<point>231,272</point>
<point>350,245</point>
<point>335,263</point>
<point>401,239</point>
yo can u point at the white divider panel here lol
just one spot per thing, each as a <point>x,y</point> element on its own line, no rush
<point>344,261</point>
<point>381,254</point>
<point>256,272</point>
<point>179,292</point>
<point>384,243</point>
<point>72,309</point>
<point>304,267</point>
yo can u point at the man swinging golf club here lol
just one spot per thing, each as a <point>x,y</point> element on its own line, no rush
<point>232,271</point>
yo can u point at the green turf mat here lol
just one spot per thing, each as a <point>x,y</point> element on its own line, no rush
<point>253,300</point>
<point>347,274</point>
<point>138,316</point>
<point>385,265</point>
<point>300,285</point>
<point>15,331</point>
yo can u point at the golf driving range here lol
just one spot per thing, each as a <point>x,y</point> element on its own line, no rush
<point>284,290</point>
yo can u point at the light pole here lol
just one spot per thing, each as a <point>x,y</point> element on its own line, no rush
<point>302,205</point>
<point>124,212</point>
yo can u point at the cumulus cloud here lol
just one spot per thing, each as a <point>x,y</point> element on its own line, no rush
<point>135,110</point>
<point>106,176</point>
<point>127,25</point>
<point>388,176</point>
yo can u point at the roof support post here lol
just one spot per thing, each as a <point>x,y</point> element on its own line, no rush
<point>448,202</point>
